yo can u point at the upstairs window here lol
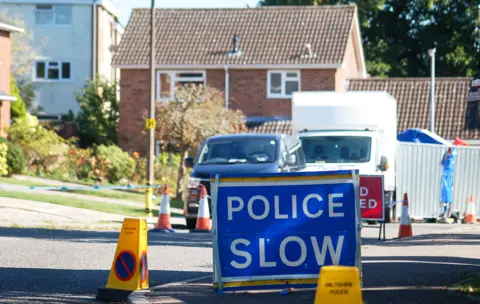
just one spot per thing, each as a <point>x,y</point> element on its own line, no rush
<point>53,14</point>
<point>52,71</point>
<point>169,81</point>
<point>282,84</point>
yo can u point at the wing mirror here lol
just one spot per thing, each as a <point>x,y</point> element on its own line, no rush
<point>383,164</point>
<point>188,162</point>
<point>291,159</point>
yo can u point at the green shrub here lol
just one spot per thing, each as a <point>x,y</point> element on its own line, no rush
<point>15,157</point>
<point>118,163</point>
<point>43,148</point>
<point>3,159</point>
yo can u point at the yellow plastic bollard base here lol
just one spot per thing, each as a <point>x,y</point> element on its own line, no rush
<point>339,285</point>
<point>129,271</point>
<point>112,295</point>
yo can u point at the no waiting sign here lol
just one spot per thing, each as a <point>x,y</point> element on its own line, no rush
<point>372,205</point>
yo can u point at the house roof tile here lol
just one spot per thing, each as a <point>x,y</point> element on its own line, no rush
<point>454,116</point>
<point>267,35</point>
<point>270,127</point>
<point>452,112</point>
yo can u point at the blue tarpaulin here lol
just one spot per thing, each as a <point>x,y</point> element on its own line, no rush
<point>448,163</point>
<point>421,136</point>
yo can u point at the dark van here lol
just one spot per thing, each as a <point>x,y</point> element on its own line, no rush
<point>240,153</point>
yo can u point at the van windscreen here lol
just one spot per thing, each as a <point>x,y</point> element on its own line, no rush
<point>238,150</point>
<point>337,149</point>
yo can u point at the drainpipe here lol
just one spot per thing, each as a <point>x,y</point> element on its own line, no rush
<point>94,40</point>
<point>227,87</point>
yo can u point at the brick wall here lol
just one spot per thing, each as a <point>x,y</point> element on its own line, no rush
<point>5,61</point>
<point>248,93</point>
<point>134,98</point>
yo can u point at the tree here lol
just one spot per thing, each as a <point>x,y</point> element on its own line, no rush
<point>98,118</point>
<point>27,92</point>
<point>397,35</point>
<point>24,49</point>
<point>18,108</point>
<point>195,113</point>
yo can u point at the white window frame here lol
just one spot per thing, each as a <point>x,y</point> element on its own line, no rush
<point>47,64</point>
<point>284,79</point>
<point>54,13</point>
<point>174,79</point>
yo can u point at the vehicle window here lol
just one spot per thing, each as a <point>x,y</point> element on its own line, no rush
<point>337,149</point>
<point>300,155</point>
<point>239,150</point>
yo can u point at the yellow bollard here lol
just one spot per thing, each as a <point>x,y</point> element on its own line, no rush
<point>339,285</point>
<point>129,271</point>
<point>148,201</point>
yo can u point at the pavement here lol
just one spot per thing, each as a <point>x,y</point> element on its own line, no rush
<point>65,266</point>
<point>421,269</point>
<point>25,213</point>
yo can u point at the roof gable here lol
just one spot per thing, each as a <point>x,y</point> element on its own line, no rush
<point>267,36</point>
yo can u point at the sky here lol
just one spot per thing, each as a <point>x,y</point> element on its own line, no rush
<point>125,6</point>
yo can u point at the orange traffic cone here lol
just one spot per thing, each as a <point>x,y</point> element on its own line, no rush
<point>164,223</point>
<point>405,229</point>
<point>471,217</point>
<point>203,218</point>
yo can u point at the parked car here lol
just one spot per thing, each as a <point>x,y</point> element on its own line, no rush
<point>240,153</point>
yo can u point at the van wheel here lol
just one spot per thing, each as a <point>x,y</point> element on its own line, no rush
<point>191,223</point>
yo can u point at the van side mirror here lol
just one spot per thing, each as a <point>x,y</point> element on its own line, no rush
<point>188,162</point>
<point>291,159</point>
<point>383,164</point>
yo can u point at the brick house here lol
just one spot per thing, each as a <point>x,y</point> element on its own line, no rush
<point>256,56</point>
<point>6,29</point>
<point>457,106</point>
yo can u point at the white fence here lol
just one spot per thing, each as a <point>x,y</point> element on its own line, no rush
<point>419,174</point>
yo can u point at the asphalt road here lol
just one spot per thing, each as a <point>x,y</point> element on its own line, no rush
<point>58,266</point>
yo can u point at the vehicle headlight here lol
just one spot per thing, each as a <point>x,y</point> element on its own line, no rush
<point>193,182</point>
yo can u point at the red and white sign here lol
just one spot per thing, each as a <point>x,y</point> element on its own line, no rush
<point>371,197</point>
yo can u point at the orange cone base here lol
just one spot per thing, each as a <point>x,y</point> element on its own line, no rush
<point>470,219</point>
<point>405,231</point>
<point>203,225</point>
<point>163,224</point>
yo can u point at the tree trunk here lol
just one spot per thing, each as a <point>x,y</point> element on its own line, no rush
<point>181,174</point>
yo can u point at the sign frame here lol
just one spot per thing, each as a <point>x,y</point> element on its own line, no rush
<point>296,281</point>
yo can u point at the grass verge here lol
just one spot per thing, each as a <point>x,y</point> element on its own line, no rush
<point>78,203</point>
<point>470,286</point>
<point>114,194</point>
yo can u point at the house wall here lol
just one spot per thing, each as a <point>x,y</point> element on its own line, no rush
<point>107,36</point>
<point>351,67</point>
<point>248,93</point>
<point>71,43</point>
<point>5,61</point>
<point>134,99</point>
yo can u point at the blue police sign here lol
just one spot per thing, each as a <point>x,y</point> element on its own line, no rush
<point>277,230</point>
